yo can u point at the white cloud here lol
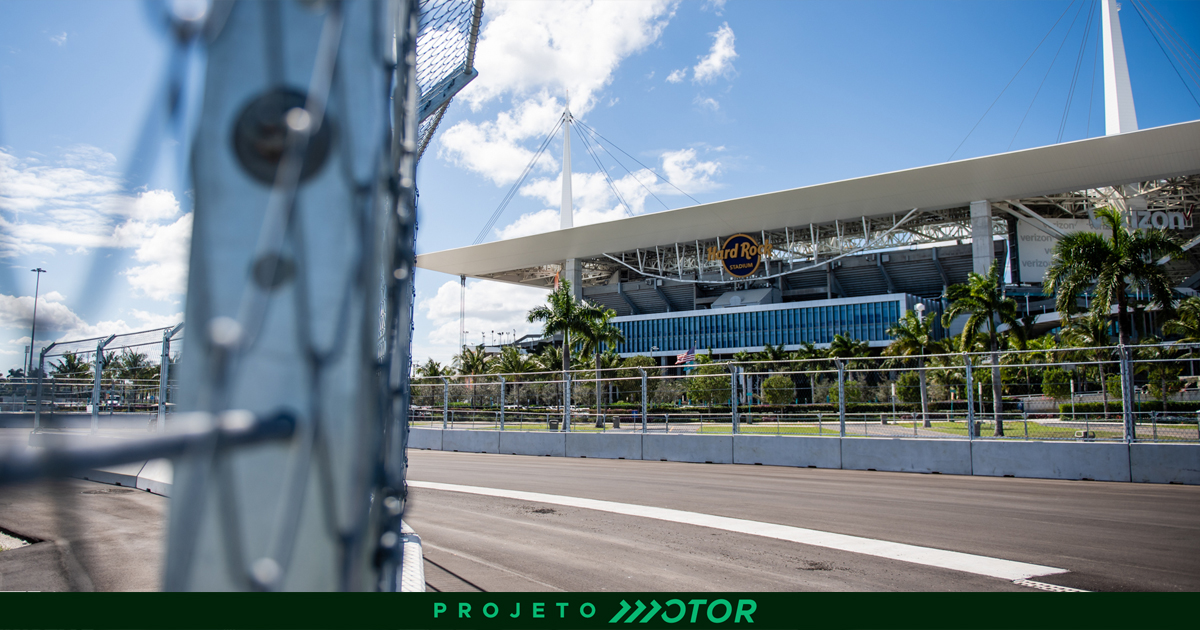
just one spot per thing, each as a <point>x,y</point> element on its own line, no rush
<point>677,76</point>
<point>594,201</point>
<point>536,54</point>
<point>59,39</point>
<point>164,250</point>
<point>719,61</point>
<point>491,306</point>
<point>57,321</point>
<point>707,101</point>
<point>716,6</point>
<point>75,202</point>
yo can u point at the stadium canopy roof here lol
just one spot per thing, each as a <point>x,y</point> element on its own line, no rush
<point>1150,154</point>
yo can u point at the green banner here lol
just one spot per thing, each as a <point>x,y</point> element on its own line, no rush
<point>825,611</point>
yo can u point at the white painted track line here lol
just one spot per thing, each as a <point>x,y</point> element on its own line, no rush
<point>927,556</point>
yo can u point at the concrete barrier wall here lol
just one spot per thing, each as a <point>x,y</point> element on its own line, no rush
<point>1052,460</point>
<point>157,476</point>
<point>716,449</point>
<point>471,441</point>
<point>783,450</point>
<point>551,443</point>
<point>949,457</point>
<point>425,438</point>
<point>121,475</point>
<point>1165,463</point>
<point>604,445</point>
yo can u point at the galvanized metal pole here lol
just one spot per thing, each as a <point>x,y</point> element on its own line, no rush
<point>643,371</point>
<point>37,409</point>
<point>98,367</point>
<point>164,369</point>
<point>841,398</point>
<point>734,372</point>
<point>501,403</point>
<point>445,401</point>
<point>970,399</point>
<point>1127,393</point>
<point>567,403</point>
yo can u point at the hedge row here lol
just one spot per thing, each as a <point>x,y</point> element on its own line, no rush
<point>1190,407</point>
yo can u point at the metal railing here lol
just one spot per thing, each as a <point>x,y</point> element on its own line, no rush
<point>1115,394</point>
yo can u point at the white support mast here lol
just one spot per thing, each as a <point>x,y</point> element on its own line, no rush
<point>1119,115</point>
<point>571,269</point>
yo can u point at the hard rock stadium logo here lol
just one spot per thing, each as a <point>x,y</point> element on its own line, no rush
<point>740,254</point>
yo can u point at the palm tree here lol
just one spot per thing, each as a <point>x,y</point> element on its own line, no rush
<point>599,332</point>
<point>982,297</point>
<point>1186,323</point>
<point>912,335</point>
<point>432,369</point>
<point>1127,260</point>
<point>71,366</point>
<point>846,347</point>
<point>564,315</point>
<point>471,363</point>
<point>1091,331</point>
<point>514,362</point>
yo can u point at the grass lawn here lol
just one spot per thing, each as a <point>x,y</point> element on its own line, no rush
<point>1016,428</point>
<point>752,429</point>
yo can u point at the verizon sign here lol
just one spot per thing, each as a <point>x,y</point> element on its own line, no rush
<point>1035,247</point>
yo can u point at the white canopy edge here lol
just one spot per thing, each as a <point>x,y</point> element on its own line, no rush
<point>1150,154</point>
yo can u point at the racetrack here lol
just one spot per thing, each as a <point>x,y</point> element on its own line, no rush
<point>1107,536</point>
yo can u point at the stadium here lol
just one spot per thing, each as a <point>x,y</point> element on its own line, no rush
<point>799,266</point>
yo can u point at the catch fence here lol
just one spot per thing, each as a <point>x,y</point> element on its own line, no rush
<point>1144,393</point>
<point>127,372</point>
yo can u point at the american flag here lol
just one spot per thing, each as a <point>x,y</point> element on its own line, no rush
<point>686,357</point>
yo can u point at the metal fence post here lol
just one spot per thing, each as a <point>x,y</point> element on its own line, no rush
<point>970,399</point>
<point>501,403</point>
<point>734,373</point>
<point>567,403</point>
<point>445,401</point>
<point>643,372</point>
<point>1127,393</point>
<point>841,367</point>
<point>98,367</point>
<point>37,409</point>
<point>164,367</point>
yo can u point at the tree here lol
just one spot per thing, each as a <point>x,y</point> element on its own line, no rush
<point>71,366</point>
<point>1126,260</point>
<point>598,331</point>
<point>1091,331</point>
<point>134,365</point>
<point>710,384</point>
<point>513,362</point>
<point>1158,363</point>
<point>1186,322</point>
<point>631,376</point>
<point>912,335</point>
<point>471,363</point>
<point>1056,383</point>
<point>778,390</point>
<point>982,298</point>
<point>564,315</point>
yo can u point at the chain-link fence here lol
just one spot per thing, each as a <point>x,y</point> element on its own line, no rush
<point>126,372</point>
<point>1149,392</point>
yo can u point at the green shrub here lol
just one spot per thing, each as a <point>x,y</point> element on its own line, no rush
<point>778,390</point>
<point>1056,383</point>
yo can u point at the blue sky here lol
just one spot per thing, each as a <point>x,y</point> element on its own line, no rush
<point>727,99</point>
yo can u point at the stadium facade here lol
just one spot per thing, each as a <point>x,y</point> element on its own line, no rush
<point>852,257</point>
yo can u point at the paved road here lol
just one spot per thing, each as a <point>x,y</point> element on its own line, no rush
<point>1109,536</point>
<point>93,536</point>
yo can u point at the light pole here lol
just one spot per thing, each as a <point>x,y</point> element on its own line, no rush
<point>33,327</point>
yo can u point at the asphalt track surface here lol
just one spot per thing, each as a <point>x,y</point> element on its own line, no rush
<point>1108,536</point>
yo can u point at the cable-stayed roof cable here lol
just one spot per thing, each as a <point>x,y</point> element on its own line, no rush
<point>1045,76</point>
<point>1087,32</point>
<point>1164,52</point>
<point>487,227</point>
<point>631,173</point>
<point>607,179</point>
<point>669,182</point>
<point>1014,78</point>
